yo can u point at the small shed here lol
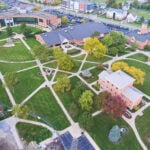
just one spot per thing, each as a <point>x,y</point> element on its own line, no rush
<point>114,134</point>
<point>86,73</point>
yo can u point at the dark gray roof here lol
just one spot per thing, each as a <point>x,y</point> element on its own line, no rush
<point>140,37</point>
<point>75,32</point>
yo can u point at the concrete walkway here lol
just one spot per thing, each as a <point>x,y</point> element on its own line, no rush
<point>11,98</point>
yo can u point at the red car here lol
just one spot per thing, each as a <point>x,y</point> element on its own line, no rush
<point>127,115</point>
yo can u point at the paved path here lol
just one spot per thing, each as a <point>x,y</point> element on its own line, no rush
<point>48,83</point>
<point>11,98</point>
<point>131,122</point>
<point>33,93</point>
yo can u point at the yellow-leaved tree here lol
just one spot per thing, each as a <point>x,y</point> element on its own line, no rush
<point>95,47</point>
<point>136,73</point>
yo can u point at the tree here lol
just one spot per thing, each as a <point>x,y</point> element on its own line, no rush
<point>133,46</point>
<point>113,51</point>
<point>11,80</point>
<point>114,106</point>
<point>86,100</point>
<point>9,30</point>
<point>64,21</point>
<point>115,40</point>
<point>77,91</point>
<point>27,32</point>
<point>73,110</point>
<point>22,26</point>
<point>62,84</point>
<point>64,61</point>
<point>21,112</point>
<point>119,66</point>
<point>95,47</point>
<point>42,53</point>
<point>86,121</point>
<point>136,73</point>
<point>95,34</point>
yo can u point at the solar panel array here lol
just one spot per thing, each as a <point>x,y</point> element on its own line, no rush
<point>82,142</point>
<point>66,140</point>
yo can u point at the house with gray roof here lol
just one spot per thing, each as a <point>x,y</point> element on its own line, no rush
<point>118,14</point>
<point>76,33</point>
<point>119,83</point>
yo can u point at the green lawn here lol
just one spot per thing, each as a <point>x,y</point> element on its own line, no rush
<point>51,64</point>
<point>16,53</point>
<point>4,99</point>
<point>43,104</point>
<point>13,67</point>
<point>2,43</point>
<point>88,65</point>
<point>76,67</point>
<point>139,56</point>
<point>143,125</point>
<point>28,82</point>
<point>146,68</point>
<point>3,35</point>
<point>141,13</point>
<point>32,42</point>
<point>33,29</point>
<point>81,57</point>
<point>94,59</point>
<point>100,131</point>
<point>30,132</point>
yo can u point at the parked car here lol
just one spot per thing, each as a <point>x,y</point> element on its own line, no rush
<point>127,115</point>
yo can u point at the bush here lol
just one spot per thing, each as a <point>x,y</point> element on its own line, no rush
<point>147,47</point>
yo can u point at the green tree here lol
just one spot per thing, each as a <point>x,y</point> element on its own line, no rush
<point>11,80</point>
<point>73,110</point>
<point>64,21</point>
<point>42,53</point>
<point>133,46</point>
<point>22,26</point>
<point>9,30</point>
<point>77,91</point>
<point>115,39</point>
<point>95,34</point>
<point>62,84</point>
<point>21,112</point>
<point>65,63</point>
<point>27,32</point>
<point>86,100</point>
<point>95,47</point>
<point>86,121</point>
<point>113,51</point>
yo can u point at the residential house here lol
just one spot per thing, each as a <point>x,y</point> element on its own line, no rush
<point>120,84</point>
<point>132,17</point>
<point>118,14</point>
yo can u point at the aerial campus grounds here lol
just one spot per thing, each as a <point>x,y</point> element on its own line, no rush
<point>48,107</point>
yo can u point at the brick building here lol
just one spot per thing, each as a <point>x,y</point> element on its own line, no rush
<point>121,84</point>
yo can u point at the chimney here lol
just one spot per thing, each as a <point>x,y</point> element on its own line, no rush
<point>144,27</point>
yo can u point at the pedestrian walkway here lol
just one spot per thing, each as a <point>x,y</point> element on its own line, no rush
<point>11,98</point>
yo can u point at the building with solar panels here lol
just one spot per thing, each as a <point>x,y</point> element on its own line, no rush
<point>67,142</point>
